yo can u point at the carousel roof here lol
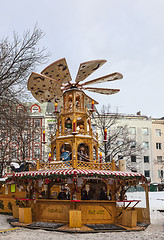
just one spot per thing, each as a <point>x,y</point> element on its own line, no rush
<point>66,173</point>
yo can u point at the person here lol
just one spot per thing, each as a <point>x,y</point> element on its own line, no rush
<point>68,125</point>
<point>103,195</point>
<point>62,196</point>
<point>64,154</point>
<point>84,195</point>
<point>83,155</point>
<point>81,129</point>
<point>68,194</point>
<point>110,195</point>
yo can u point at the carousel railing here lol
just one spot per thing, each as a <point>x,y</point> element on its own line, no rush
<point>69,164</point>
<point>55,165</point>
<point>93,165</point>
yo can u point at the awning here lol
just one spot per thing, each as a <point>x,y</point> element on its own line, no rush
<point>73,173</point>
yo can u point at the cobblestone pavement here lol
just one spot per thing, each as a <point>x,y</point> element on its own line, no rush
<point>152,232</point>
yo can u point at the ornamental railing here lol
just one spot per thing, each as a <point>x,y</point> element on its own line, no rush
<point>92,165</point>
<point>55,165</point>
<point>74,164</point>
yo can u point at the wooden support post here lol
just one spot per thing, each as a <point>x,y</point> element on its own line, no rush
<point>37,166</point>
<point>122,166</point>
<point>74,162</point>
<point>113,165</point>
<point>147,203</point>
<point>74,219</point>
<point>25,215</point>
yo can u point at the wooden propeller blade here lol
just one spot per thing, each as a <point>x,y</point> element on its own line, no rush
<point>43,88</point>
<point>106,91</point>
<point>107,78</point>
<point>47,96</point>
<point>86,68</point>
<point>59,71</point>
<point>88,100</point>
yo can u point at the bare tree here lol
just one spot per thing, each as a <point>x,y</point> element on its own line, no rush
<point>18,58</point>
<point>17,137</point>
<point>119,143</point>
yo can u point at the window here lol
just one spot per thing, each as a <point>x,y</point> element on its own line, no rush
<point>35,109</point>
<point>134,170</point>
<point>158,132</point>
<point>145,131</point>
<point>160,174</point>
<point>14,152</point>
<point>36,122</point>
<point>25,136</point>
<point>13,136</point>
<point>94,128</point>
<point>133,144</point>
<point>146,159</point>
<point>50,127</point>
<point>119,142</point>
<point>132,130</point>
<point>133,158</point>
<point>146,145</point>
<point>36,152</point>
<point>159,158</point>
<point>27,153</point>
<point>147,173</point>
<point>20,109</point>
<point>37,138</point>
<point>158,145</point>
<point>26,122</point>
<point>120,129</point>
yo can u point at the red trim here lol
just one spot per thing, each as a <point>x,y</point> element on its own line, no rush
<point>21,105</point>
<point>37,106</point>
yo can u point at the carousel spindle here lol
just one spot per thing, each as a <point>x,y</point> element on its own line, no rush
<point>49,157</point>
<point>56,106</point>
<point>100,157</point>
<point>74,125</point>
<point>92,105</point>
<point>43,136</point>
<point>105,134</point>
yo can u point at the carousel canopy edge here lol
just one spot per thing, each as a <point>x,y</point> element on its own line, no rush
<point>66,173</point>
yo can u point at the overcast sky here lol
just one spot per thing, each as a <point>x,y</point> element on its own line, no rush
<point>128,34</point>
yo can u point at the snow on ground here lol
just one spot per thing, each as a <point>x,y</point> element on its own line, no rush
<point>156,201</point>
<point>151,233</point>
<point>3,222</point>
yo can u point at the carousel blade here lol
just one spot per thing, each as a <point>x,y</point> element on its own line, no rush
<point>59,71</point>
<point>107,78</point>
<point>106,91</point>
<point>42,82</point>
<point>46,96</point>
<point>43,88</point>
<point>89,100</point>
<point>86,68</point>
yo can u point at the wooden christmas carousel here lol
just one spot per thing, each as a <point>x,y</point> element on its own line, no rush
<point>75,186</point>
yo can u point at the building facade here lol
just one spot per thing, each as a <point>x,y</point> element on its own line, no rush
<point>139,130</point>
<point>158,149</point>
<point>28,145</point>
